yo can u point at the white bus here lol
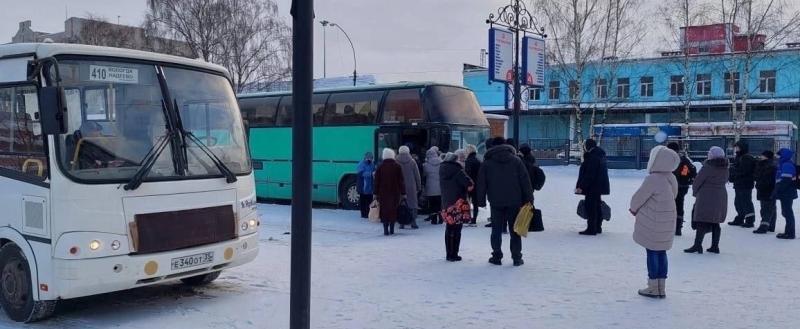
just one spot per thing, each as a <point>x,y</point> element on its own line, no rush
<point>118,169</point>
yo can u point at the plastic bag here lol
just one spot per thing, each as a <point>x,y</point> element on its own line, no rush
<point>374,212</point>
<point>523,220</point>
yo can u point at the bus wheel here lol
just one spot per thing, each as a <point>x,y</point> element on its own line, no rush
<point>201,280</point>
<point>16,290</point>
<point>348,193</point>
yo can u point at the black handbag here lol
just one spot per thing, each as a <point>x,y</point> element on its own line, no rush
<point>536,222</point>
<point>605,210</point>
<point>404,214</point>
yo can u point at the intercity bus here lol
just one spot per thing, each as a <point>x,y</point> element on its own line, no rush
<point>348,122</point>
<point>118,169</point>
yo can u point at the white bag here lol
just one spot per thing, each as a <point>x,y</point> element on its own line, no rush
<point>374,212</point>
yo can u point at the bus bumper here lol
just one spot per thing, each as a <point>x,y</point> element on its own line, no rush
<point>85,277</point>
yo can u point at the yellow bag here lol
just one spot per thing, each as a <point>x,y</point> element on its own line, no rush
<point>523,220</point>
<point>374,212</point>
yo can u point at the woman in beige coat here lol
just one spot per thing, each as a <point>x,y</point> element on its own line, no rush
<point>654,207</point>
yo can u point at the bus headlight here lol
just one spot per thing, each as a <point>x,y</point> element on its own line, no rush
<point>244,226</point>
<point>252,223</point>
<point>94,245</point>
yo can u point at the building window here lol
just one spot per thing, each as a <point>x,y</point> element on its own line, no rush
<point>623,87</point>
<point>555,90</point>
<point>729,83</point>
<point>704,85</point>
<point>766,82</point>
<point>601,88</point>
<point>573,90</point>
<point>646,87</point>
<point>676,85</point>
<point>535,94</point>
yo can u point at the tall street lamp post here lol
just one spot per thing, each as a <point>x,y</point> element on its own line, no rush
<point>518,20</point>
<point>324,48</point>
<point>355,74</point>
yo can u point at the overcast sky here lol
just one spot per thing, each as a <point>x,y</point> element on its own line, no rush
<point>395,40</point>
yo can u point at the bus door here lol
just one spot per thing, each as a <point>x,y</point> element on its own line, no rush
<point>416,138</point>
<point>441,136</point>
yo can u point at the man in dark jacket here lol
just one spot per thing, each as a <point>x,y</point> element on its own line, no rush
<point>593,184</point>
<point>473,166</point>
<point>503,179</point>
<point>765,185</point>
<point>743,178</point>
<point>685,175</point>
<point>534,172</point>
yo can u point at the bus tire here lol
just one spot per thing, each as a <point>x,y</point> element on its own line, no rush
<point>16,289</point>
<point>201,280</point>
<point>348,193</point>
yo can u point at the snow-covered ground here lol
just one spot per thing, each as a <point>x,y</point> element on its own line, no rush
<point>362,279</point>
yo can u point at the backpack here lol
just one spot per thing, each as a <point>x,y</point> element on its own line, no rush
<point>538,178</point>
<point>797,177</point>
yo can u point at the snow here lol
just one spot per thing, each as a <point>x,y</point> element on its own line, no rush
<point>362,279</point>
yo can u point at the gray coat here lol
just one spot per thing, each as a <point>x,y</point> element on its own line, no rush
<point>711,196</point>
<point>431,171</point>
<point>410,178</point>
<point>654,202</point>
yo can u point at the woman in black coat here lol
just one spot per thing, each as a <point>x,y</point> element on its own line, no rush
<point>455,185</point>
<point>593,184</point>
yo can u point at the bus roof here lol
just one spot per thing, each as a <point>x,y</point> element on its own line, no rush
<point>43,50</point>
<point>396,85</point>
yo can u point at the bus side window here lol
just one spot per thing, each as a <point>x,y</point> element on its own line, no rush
<point>318,108</point>
<point>284,117</point>
<point>403,106</point>
<point>21,140</point>
<point>353,108</point>
<point>260,112</point>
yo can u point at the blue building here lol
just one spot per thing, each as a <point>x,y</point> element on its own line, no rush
<point>652,90</point>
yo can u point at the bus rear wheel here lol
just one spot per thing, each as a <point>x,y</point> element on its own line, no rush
<point>16,290</point>
<point>348,193</point>
<point>201,280</point>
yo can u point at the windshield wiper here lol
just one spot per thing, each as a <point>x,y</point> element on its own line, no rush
<point>230,177</point>
<point>148,162</point>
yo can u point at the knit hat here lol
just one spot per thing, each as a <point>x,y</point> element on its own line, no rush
<point>388,153</point>
<point>590,144</point>
<point>674,146</point>
<point>450,156</point>
<point>524,149</point>
<point>716,152</point>
<point>404,150</point>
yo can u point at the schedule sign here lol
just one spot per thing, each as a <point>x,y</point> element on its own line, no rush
<point>533,57</point>
<point>501,55</point>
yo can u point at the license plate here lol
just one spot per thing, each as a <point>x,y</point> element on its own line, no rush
<point>192,261</point>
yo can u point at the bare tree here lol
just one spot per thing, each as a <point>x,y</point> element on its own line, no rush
<point>622,35</point>
<point>573,44</point>
<point>766,25</point>
<point>247,37</point>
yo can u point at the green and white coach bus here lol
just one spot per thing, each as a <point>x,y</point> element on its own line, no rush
<point>349,122</point>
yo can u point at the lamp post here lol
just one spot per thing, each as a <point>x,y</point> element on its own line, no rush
<point>518,20</point>
<point>355,74</point>
<point>324,48</point>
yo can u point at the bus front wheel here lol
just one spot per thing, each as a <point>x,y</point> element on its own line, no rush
<point>16,290</point>
<point>201,280</point>
<point>348,193</point>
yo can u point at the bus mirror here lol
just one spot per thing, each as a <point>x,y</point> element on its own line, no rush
<point>51,110</point>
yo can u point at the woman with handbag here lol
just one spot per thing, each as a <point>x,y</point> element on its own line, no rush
<point>455,186</point>
<point>389,190</point>
<point>412,181</point>
<point>365,171</point>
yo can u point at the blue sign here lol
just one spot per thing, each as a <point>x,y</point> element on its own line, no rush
<point>533,59</point>
<point>501,55</point>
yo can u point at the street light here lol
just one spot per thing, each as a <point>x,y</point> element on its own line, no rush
<point>518,20</point>
<point>328,23</point>
<point>324,48</point>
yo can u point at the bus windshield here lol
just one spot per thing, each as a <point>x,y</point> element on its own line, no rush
<point>116,113</point>
<point>453,105</point>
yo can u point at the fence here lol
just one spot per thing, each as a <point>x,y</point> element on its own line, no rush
<point>633,152</point>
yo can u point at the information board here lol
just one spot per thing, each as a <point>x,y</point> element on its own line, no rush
<point>533,58</point>
<point>501,55</point>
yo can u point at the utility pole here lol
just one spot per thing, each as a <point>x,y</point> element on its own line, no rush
<point>324,48</point>
<point>302,89</point>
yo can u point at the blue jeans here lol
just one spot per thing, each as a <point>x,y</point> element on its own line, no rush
<point>788,214</point>
<point>657,264</point>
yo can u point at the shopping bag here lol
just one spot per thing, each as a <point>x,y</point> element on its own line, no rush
<point>582,209</point>
<point>404,214</point>
<point>605,210</point>
<point>536,222</point>
<point>458,213</point>
<point>374,212</point>
<point>523,220</point>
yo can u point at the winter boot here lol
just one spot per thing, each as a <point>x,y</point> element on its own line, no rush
<point>391,229</point>
<point>738,221</point>
<point>785,236</point>
<point>652,290</point>
<point>385,228</point>
<point>495,261</point>
<point>518,262</point>
<point>662,288</point>
<point>694,249</point>
<point>763,229</point>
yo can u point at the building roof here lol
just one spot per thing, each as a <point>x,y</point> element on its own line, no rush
<point>43,50</point>
<point>397,85</point>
